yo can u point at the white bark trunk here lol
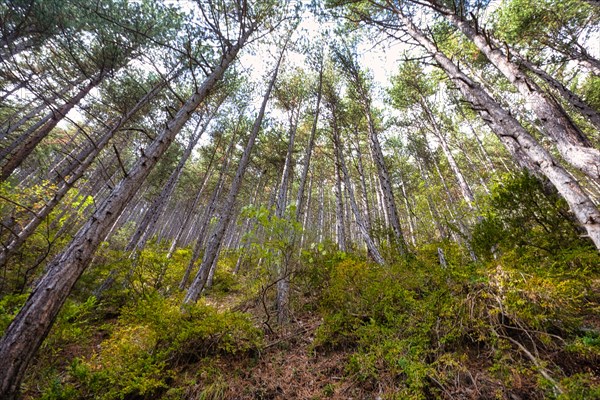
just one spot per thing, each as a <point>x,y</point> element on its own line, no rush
<point>508,129</point>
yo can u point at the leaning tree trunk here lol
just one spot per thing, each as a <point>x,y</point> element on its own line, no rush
<point>228,206</point>
<point>339,159</point>
<point>465,189</point>
<point>30,327</point>
<point>572,144</point>
<point>309,149</point>
<point>283,273</point>
<point>572,98</point>
<point>190,212</point>
<point>146,226</point>
<point>437,220</point>
<point>513,135</point>
<point>46,102</point>
<point>20,154</point>
<point>207,214</point>
<point>69,179</point>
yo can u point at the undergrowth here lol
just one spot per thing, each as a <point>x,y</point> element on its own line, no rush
<point>521,322</point>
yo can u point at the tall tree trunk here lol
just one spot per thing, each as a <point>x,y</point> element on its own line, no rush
<point>437,221</point>
<point>284,267</point>
<point>321,226</point>
<point>572,144</point>
<point>20,154</point>
<point>572,98</point>
<point>85,160</point>
<point>30,327</point>
<point>307,211</point>
<point>310,147</point>
<point>146,227</point>
<point>353,71</point>
<point>190,213</point>
<point>460,178</point>
<point>340,231</point>
<point>46,102</point>
<point>217,236</point>
<point>409,210</point>
<point>362,227</point>
<point>207,214</point>
<point>363,183</point>
<point>385,182</point>
<point>514,136</point>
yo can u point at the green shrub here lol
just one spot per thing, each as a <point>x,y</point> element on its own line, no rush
<point>9,307</point>
<point>154,338</point>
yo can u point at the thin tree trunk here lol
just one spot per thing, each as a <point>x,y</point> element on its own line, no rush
<point>510,132</point>
<point>31,114</point>
<point>340,232</point>
<point>460,178</point>
<point>321,227</point>
<point>431,204</point>
<point>572,144</point>
<point>20,154</point>
<point>190,213</point>
<point>283,272</point>
<point>385,183</point>
<point>207,214</point>
<point>339,156</point>
<point>306,212</point>
<point>409,210</point>
<point>217,236</point>
<point>309,149</point>
<point>30,327</point>
<point>363,184</point>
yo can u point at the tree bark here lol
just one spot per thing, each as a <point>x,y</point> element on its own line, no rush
<point>190,213</point>
<point>572,98</point>
<point>339,157</point>
<point>571,143</point>
<point>377,154</point>
<point>514,136</point>
<point>465,189</point>
<point>340,231</point>
<point>217,236</point>
<point>30,327</point>
<point>46,102</point>
<point>207,214</point>
<point>146,226</point>
<point>309,149</point>
<point>21,153</point>
<point>86,160</point>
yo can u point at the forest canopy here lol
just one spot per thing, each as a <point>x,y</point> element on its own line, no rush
<point>213,199</point>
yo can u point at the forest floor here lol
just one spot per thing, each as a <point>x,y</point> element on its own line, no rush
<point>356,331</point>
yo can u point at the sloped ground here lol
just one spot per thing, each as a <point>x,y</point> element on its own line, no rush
<point>357,331</point>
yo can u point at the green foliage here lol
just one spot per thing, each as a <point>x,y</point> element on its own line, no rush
<point>410,86</point>
<point>153,338</point>
<point>9,306</point>
<point>416,323</point>
<point>394,318</point>
<point>580,387</point>
<point>525,216</point>
<point>521,21</point>
<point>591,90</point>
<point>74,323</point>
